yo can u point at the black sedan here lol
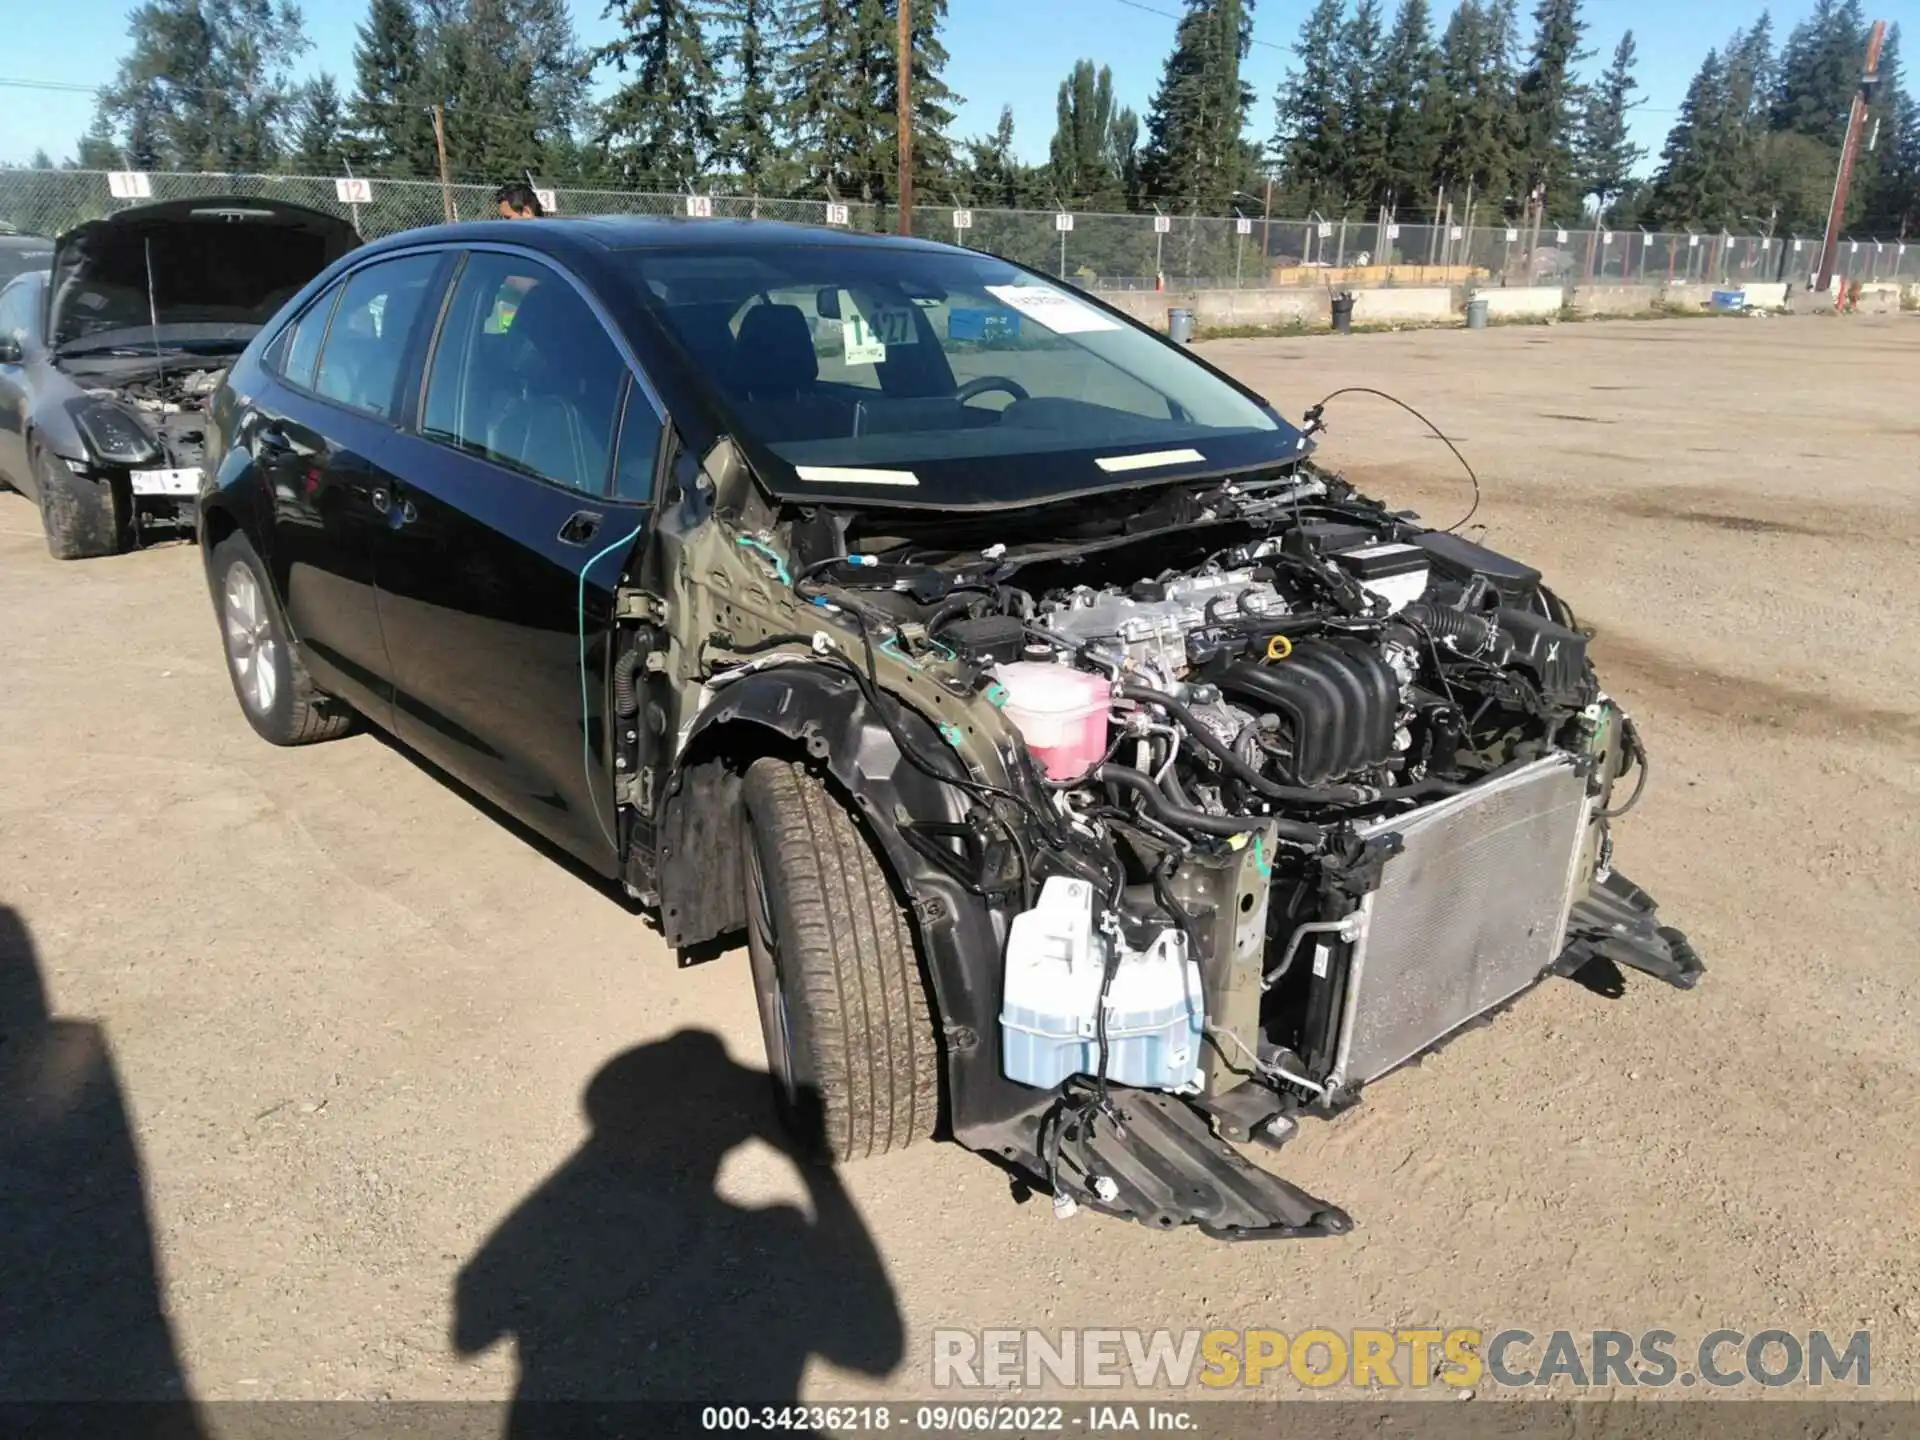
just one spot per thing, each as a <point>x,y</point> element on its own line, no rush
<point>1090,773</point>
<point>110,351</point>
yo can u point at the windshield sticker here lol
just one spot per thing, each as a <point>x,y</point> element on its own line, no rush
<point>1055,309</point>
<point>855,475</point>
<point>1152,460</point>
<point>867,331</point>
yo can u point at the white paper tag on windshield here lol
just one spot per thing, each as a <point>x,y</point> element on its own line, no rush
<point>867,331</point>
<point>860,344</point>
<point>1055,309</point>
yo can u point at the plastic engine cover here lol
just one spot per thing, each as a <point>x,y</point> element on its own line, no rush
<point>1055,965</point>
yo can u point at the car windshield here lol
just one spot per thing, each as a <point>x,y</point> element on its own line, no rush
<point>881,364</point>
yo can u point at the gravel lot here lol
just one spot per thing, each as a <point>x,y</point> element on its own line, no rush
<point>354,1018</point>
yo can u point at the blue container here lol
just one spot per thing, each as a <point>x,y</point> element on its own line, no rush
<point>1729,300</point>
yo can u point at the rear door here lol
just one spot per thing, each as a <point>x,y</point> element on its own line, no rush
<point>319,436</point>
<point>520,497</point>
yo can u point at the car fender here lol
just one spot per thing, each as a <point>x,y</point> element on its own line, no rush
<point>821,712</point>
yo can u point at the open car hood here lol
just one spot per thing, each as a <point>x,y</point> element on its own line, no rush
<point>223,261</point>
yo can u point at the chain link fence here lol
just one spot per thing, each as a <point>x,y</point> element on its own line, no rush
<point>1108,252</point>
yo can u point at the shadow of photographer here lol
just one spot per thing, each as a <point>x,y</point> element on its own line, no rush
<point>626,1277</point>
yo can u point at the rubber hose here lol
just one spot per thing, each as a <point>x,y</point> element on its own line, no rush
<point>1200,821</point>
<point>625,699</point>
<point>1473,634</point>
<point>1214,746</point>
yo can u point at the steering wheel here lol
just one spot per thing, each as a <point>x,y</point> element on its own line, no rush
<point>986,384</point>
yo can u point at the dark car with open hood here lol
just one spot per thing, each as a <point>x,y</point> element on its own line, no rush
<point>1095,777</point>
<point>110,352</point>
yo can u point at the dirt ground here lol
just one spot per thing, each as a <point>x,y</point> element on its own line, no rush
<point>354,1018</point>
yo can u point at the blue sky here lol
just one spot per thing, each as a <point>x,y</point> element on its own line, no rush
<point>1003,52</point>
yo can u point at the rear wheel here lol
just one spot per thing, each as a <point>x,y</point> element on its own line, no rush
<point>80,514</point>
<point>276,694</point>
<point>843,1008</point>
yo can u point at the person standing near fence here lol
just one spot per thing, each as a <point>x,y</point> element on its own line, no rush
<point>516,201</point>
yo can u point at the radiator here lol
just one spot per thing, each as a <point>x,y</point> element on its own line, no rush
<point>1468,914</point>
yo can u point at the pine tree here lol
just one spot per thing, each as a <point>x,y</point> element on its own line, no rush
<point>319,127</point>
<point>1476,77</point>
<point>749,121</point>
<point>991,175</point>
<point>1695,187</point>
<point>1078,158</point>
<point>1819,72</point>
<point>1123,156</point>
<point>1194,159</point>
<point>1416,98</point>
<point>1548,105</point>
<point>1310,119</point>
<point>1363,105</point>
<point>824,110</point>
<point>1606,155</point>
<point>932,101</point>
<point>391,130</point>
<point>206,85</point>
<point>659,126</point>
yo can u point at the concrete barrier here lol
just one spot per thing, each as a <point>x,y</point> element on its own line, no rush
<point>1522,302</point>
<point>1403,307</point>
<point>1617,299</point>
<point>1687,297</point>
<point>1766,296</point>
<point>1275,309</point>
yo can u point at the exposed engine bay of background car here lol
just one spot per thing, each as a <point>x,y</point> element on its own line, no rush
<point>1317,784</point>
<point>152,423</point>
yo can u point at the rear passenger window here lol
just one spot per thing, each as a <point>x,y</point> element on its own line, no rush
<point>524,375</point>
<point>367,342</point>
<point>302,346</point>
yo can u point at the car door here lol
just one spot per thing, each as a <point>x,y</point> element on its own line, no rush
<point>319,436</point>
<point>513,524</point>
<point>18,324</point>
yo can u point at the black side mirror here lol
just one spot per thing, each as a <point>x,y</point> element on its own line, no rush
<point>10,353</point>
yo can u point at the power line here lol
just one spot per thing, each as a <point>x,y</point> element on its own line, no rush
<point>14,82</point>
<point>1169,15</point>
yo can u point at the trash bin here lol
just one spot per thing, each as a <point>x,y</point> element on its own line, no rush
<point>1476,314</point>
<point>1343,314</point>
<point>1180,325</point>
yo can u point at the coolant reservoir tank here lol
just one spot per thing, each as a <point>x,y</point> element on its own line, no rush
<point>1060,712</point>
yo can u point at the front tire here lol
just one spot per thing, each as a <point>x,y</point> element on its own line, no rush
<point>81,515</point>
<point>275,692</point>
<point>843,1007</point>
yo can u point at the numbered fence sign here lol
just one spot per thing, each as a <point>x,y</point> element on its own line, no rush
<point>1326,230</point>
<point>129,185</point>
<point>1606,237</point>
<point>1693,242</point>
<point>963,219</point>
<point>1162,224</point>
<point>1796,246</point>
<point>700,207</point>
<point>1512,234</point>
<point>1393,232</point>
<point>837,215</point>
<point>1559,237</point>
<point>351,190</point>
<point>1063,221</point>
<point>549,200</point>
<point>1243,226</point>
<point>1853,247</point>
<point>1454,233</point>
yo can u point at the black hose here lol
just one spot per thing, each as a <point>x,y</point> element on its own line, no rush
<point>1238,768</point>
<point>1638,751</point>
<point>1200,821</point>
<point>626,701</point>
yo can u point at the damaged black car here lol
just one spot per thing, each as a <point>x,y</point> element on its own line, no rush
<point>1095,777</point>
<point>108,358</point>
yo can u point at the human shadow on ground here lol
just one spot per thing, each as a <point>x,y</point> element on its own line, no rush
<point>626,1278</point>
<point>81,1317</point>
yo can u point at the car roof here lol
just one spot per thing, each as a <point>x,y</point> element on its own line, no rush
<point>559,235</point>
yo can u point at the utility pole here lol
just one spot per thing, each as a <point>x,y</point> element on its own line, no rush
<point>904,118</point>
<point>1856,122</point>
<point>440,144</point>
<point>1266,228</point>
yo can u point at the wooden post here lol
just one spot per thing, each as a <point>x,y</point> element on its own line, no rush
<point>440,144</point>
<point>1856,121</point>
<point>904,119</point>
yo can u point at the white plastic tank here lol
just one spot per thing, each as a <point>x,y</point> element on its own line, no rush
<point>1060,712</point>
<point>1056,957</point>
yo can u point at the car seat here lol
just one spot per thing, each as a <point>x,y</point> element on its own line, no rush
<point>553,427</point>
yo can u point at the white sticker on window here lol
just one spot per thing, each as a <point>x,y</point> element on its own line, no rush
<point>855,475</point>
<point>1055,309</point>
<point>857,340</point>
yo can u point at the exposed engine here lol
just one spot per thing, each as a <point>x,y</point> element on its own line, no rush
<point>171,407</point>
<point>1239,736</point>
<point>153,427</point>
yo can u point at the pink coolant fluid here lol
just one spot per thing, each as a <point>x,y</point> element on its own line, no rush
<point>1060,712</point>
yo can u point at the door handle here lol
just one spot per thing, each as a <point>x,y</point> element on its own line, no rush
<point>580,527</point>
<point>381,501</point>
